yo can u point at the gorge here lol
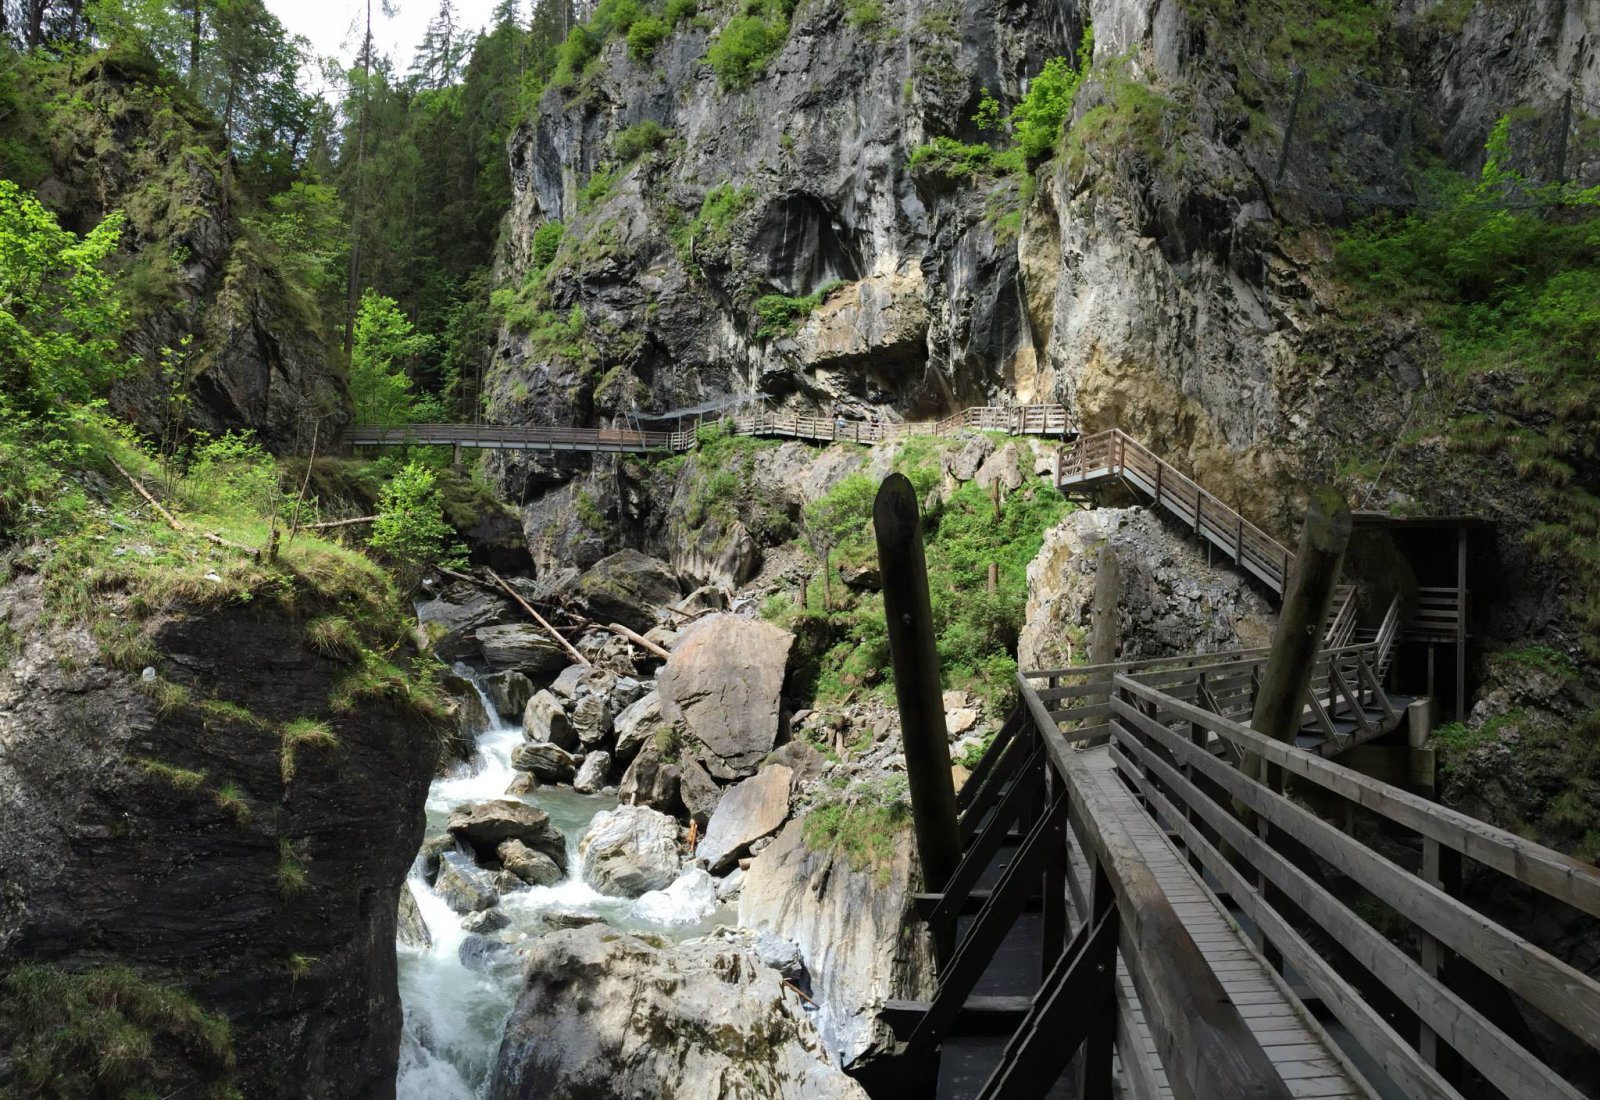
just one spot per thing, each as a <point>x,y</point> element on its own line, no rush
<point>300,799</point>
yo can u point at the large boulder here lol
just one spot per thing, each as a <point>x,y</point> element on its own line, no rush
<point>544,719</point>
<point>1004,466</point>
<point>536,868</point>
<point>521,646</point>
<point>412,930</point>
<point>626,588</point>
<point>698,792</point>
<point>593,773</point>
<point>451,619</point>
<point>603,1014</point>
<point>724,681</point>
<point>509,691</point>
<point>591,718</point>
<point>639,721</point>
<point>651,780</point>
<point>463,886</point>
<point>486,825</point>
<point>963,464</point>
<point>746,813</point>
<point>852,924</point>
<point>551,763</point>
<point>629,851</point>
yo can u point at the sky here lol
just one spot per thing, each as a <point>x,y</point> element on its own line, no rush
<point>334,26</point>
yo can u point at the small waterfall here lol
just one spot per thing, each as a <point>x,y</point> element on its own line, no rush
<point>454,1014</point>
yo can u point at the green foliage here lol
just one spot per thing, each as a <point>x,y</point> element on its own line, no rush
<point>1037,121</point>
<point>865,823</point>
<point>230,474</point>
<point>712,227</point>
<point>947,157</point>
<point>411,527</point>
<point>58,345</point>
<point>681,11</point>
<point>975,753</point>
<point>863,15</point>
<point>1131,118</point>
<point>1507,273</point>
<point>781,314</point>
<point>1543,659</point>
<point>615,17</point>
<point>581,47</point>
<point>230,799</point>
<point>334,636</point>
<point>385,343</point>
<point>108,1032</point>
<point>645,35</point>
<point>633,142</point>
<point>748,41</point>
<point>547,242</point>
<point>598,188</point>
<point>987,117</point>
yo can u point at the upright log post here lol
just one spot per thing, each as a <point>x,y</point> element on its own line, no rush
<point>1307,594</point>
<point>909,617</point>
<point>1104,617</point>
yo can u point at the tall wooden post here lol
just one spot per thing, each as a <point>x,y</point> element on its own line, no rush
<point>916,680</point>
<point>994,577</point>
<point>1306,597</point>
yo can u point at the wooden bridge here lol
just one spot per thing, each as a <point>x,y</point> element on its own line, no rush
<point>1180,929</point>
<point>1034,420</point>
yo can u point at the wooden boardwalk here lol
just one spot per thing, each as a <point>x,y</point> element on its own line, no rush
<point>1030,420</point>
<point>1294,1043</point>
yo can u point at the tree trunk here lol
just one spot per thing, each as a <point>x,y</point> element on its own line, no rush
<point>353,287</point>
<point>36,22</point>
<point>194,48</point>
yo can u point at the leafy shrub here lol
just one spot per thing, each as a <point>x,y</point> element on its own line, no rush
<point>645,35</point>
<point>574,55</point>
<point>547,242</point>
<point>597,189</point>
<point>1037,121</point>
<point>410,527</point>
<point>385,342</point>
<point>945,156</point>
<point>712,226</point>
<point>680,11</point>
<point>615,17</point>
<point>634,141</point>
<point>231,473</point>
<point>864,823</point>
<point>748,42</point>
<point>780,313</point>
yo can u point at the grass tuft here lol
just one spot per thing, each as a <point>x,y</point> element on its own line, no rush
<point>302,731</point>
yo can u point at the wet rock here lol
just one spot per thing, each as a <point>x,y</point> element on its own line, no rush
<point>486,954</point>
<point>591,719</point>
<point>565,686</point>
<point>638,722</point>
<point>746,812</point>
<point>609,1015</point>
<point>535,868</point>
<point>626,588</point>
<point>568,918</point>
<point>729,885</point>
<point>412,930</point>
<point>630,851</point>
<point>524,783</point>
<point>509,692</point>
<point>723,681</point>
<point>521,646</point>
<point>428,855</point>
<point>689,900</point>
<point>486,921</point>
<point>451,619</point>
<point>651,780</point>
<point>544,719</point>
<point>698,792</point>
<point>486,825</point>
<point>466,705</point>
<point>551,763</point>
<point>592,773</point>
<point>464,887</point>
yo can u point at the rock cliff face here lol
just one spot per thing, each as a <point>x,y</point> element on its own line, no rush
<point>258,359</point>
<point>183,831</point>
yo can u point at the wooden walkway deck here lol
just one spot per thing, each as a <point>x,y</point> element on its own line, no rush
<point>1302,1053</point>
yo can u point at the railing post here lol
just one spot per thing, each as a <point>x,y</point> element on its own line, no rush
<point>1441,867</point>
<point>915,659</point>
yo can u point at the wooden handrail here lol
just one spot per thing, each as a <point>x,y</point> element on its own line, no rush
<point>1160,761</point>
<point>1017,420</point>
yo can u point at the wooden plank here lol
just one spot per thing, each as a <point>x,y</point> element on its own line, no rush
<point>1549,871</point>
<point>1512,1068</point>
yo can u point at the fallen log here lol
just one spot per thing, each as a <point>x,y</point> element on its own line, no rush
<point>538,618</point>
<point>639,640</point>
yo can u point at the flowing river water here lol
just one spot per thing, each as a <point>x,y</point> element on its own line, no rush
<point>455,1012</point>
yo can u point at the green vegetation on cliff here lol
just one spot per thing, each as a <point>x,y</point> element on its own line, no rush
<point>1507,273</point>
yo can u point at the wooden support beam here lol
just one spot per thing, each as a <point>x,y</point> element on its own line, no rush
<point>909,618</point>
<point>1280,703</point>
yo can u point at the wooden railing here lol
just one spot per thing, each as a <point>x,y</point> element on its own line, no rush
<point>1316,895</point>
<point>1041,420</point>
<point>1115,454</point>
<point>1346,688</point>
